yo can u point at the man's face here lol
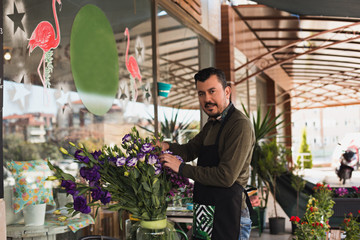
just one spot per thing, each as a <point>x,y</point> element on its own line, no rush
<point>212,97</point>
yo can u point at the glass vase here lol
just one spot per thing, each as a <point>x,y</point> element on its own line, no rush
<point>153,230</point>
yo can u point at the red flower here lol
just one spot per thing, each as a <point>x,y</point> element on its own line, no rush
<point>294,219</point>
<point>358,211</point>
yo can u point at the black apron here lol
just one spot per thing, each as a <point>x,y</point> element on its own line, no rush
<point>225,202</point>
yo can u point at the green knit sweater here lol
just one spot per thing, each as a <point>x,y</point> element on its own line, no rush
<point>235,149</point>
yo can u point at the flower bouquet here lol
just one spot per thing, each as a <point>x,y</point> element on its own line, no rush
<point>129,178</point>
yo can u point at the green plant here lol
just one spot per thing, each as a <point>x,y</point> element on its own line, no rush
<point>351,226</point>
<point>297,182</point>
<point>265,128</point>
<point>170,128</point>
<point>272,164</point>
<point>304,148</point>
<point>315,222</point>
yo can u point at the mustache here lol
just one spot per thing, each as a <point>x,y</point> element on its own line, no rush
<point>210,104</point>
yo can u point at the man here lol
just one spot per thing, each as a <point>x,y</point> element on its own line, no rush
<point>224,148</point>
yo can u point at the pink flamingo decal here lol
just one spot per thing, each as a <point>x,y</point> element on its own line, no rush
<point>131,64</point>
<point>44,37</point>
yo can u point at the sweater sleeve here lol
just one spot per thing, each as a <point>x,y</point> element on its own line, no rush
<point>234,159</point>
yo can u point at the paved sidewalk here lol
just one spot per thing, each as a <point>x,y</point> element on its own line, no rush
<point>328,175</point>
<point>267,236</point>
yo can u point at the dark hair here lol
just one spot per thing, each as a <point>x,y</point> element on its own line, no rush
<point>205,73</point>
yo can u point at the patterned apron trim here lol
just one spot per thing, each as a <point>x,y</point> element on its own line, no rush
<point>203,221</point>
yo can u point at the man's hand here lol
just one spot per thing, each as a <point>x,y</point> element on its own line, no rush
<point>170,161</point>
<point>255,201</point>
<point>163,145</point>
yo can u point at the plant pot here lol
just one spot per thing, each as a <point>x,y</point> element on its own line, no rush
<point>342,207</point>
<point>277,225</point>
<point>293,228</point>
<point>164,89</point>
<point>34,215</point>
<point>153,230</point>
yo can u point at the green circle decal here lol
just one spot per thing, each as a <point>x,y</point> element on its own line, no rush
<point>94,59</point>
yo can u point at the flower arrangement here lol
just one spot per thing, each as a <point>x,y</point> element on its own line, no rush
<point>353,192</point>
<point>314,224</point>
<point>351,226</point>
<point>126,178</point>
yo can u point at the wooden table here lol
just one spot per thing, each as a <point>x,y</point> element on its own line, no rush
<point>48,231</point>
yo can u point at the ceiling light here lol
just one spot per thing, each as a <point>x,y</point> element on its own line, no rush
<point>7,55</point>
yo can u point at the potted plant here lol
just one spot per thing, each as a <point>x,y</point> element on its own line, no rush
<point>347,200</point>
<point>273,163</point>
<point>265,128</point>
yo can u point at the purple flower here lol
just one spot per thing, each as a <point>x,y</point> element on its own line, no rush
<point>105,197</point>
<point>81,205</point>
<point>96,154</point>
<point>152,159</point>
<point>131,162</point>
<point>357,189</point>
<point>120,161</point>
<point>126,138</point>
<point>158,168</point>
<point>341,191</point>
<point>147,147</point>
<point>70,187</point>
<point>81,158</point>
<point>157,171</point>
<point>112,159</point>
<point>180,158</point>
<point>91,174</point>
<point>96,193</point>
<point>141,157</point>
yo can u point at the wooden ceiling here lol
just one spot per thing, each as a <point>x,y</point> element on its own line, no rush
<point>320,55</point>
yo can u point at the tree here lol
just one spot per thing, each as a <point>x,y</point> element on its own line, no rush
<point>304,148</point>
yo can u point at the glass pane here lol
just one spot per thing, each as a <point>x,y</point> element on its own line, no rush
<point>178,63</point>
<point>48,101</point>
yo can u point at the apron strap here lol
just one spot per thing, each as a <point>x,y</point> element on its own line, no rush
<point>248,203</point>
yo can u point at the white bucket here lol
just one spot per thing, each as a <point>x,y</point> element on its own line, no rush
<point>34,215</point>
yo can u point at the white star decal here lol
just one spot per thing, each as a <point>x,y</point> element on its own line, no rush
<point>21,92</point>
<point>62,99</point>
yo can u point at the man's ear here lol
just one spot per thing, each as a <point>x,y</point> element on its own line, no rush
<point>228,92</point>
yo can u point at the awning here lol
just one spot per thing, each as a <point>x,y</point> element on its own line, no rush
<point>320,55</point>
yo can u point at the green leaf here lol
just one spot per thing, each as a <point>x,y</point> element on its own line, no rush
<point>67,176</point>
<point>150,171</point>
<point>74,213</point>
<point>136,172</point>
<point>83,190</point>
<point>145,215</point>
<point>69,205</point>
<point>156,186</point>
<point>155,201</point>
<point>146,186</point>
